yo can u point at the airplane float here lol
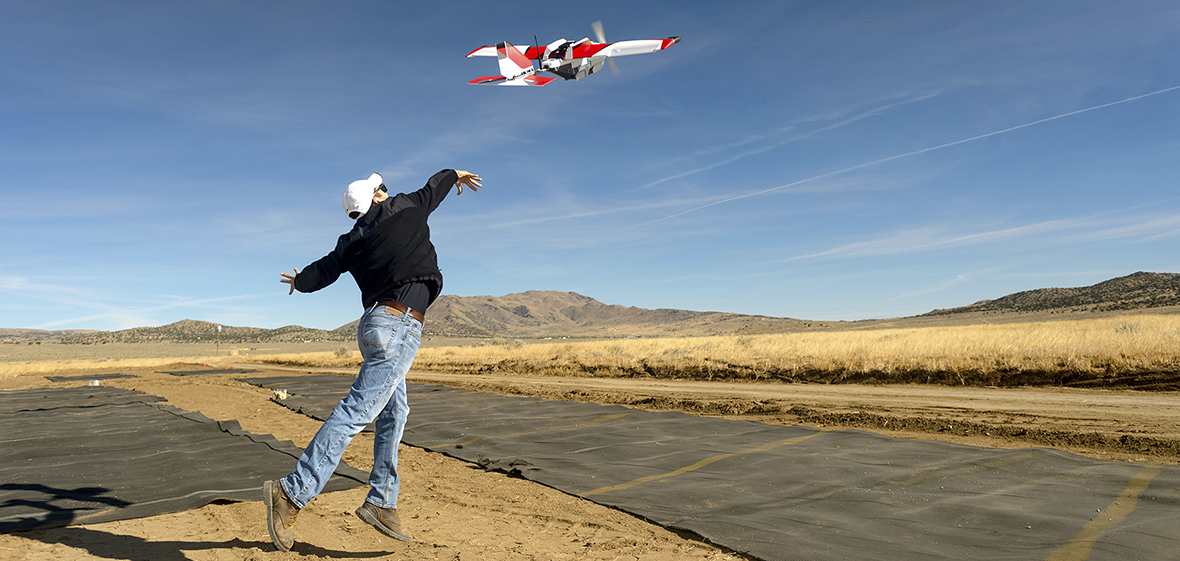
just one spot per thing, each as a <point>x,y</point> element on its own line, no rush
<point>572,60</point>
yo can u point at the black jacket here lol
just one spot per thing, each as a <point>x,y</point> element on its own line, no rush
<point>389,246</point>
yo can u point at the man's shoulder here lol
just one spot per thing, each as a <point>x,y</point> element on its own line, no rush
<point>400,202</point>
<point>391,209</point>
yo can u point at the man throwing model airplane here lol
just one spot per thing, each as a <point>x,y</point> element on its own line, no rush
<point>389,254</point>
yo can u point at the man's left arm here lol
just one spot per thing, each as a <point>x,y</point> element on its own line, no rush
<point>467,178</point>
<point>439,185</point>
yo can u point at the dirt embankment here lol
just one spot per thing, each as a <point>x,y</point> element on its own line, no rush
<point>1150,380</point>
<point>1122,425</point>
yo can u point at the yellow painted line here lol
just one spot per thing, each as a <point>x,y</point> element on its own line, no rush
<point>701,464</point>
<point>1078,548</point>
<point>598,420</point>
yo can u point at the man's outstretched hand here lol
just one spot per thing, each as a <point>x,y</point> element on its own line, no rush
<point>289,279</point>
<point>469,179</point>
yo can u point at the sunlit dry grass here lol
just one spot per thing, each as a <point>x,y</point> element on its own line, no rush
<point>21,359</point>
<point>1037,353</point>
<point>12,368</point>
<point>342,358</point>
<point>1110,350</point>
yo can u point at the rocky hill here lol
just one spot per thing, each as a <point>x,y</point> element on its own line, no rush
<point>1132,292</point>
<point>184,331</point>
<point>569,314</point>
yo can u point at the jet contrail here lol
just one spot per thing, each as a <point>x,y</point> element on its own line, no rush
<point>914,153</point>
<point>848,121</point>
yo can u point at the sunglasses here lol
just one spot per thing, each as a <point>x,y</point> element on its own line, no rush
<point>381,188</point>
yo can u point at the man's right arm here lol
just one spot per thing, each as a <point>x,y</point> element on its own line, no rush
<point>321,273</point>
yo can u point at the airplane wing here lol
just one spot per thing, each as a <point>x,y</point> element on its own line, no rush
<point>623,48</point>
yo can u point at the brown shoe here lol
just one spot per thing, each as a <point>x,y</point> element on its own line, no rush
<point>385,520</point>
<point>280,515</point>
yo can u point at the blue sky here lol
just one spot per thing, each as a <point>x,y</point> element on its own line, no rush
<point>820,160</point>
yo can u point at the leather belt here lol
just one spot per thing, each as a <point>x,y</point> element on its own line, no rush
<point>402,310</point>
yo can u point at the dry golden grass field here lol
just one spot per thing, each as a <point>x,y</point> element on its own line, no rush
<point>1136,351</point>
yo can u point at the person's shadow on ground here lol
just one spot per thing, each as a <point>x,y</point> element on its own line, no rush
<point>39,512</point>
<point>32,505</point>
<point>134,548</point>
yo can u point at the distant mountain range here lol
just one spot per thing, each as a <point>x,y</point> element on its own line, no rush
<point>538,314</point>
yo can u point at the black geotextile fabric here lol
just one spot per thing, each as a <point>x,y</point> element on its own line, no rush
<point>314,396</point>
<point>209,371</point>
<point>87,377</point>
<point>59,398</point>
<point>95,454</point>
<point>777,492</point>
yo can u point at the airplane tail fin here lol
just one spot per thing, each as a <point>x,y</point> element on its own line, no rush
<point>513,63</point>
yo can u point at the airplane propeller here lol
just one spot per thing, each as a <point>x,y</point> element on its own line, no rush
<point>598,34</point>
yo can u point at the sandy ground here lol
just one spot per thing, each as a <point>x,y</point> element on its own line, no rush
<point>453,509</point>
<point>458,511</point>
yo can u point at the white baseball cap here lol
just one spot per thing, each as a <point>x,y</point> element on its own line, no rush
<point>358,196</point>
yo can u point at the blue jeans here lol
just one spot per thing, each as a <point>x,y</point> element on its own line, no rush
<point>388,344</point>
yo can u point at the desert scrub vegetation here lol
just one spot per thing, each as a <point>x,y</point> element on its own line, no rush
<point>45,366</point>
<point>1134,351</point>
<point>340,358</point>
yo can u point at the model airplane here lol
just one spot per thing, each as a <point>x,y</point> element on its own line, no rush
<point>572,60</point>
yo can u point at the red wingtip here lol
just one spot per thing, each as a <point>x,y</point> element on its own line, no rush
<point>487,79</point>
